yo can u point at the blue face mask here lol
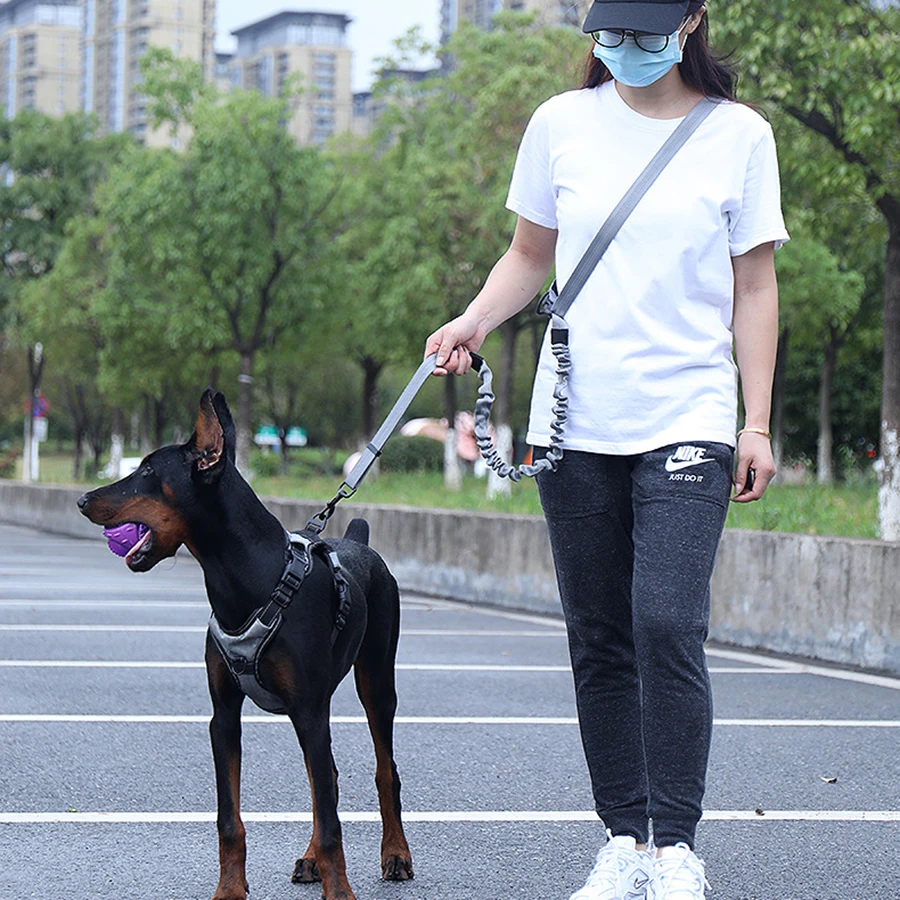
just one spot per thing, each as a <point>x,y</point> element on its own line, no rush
<point>635,67</point>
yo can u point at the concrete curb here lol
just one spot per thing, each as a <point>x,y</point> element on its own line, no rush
<point>833,599</point>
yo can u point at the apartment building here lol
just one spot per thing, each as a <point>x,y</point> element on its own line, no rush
<point>482,12</point>
<point>310,47</point>
<point>369,107</point>
<point>116,34</point>
<point>40,62</point>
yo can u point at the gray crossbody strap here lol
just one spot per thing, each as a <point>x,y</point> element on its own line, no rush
<point>626,205</point>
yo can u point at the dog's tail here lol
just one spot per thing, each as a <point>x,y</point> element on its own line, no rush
<point>358,531</point>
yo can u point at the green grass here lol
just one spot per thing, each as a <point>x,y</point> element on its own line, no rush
<point>848,509</point>
<point>425,489</point>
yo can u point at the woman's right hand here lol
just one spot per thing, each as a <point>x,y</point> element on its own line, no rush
<point>454,343</point>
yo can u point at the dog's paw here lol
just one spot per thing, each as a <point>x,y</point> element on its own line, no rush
<point>231,892</point>
<point>396,868</point>
<point>232,896</point>
<point>305,871</point>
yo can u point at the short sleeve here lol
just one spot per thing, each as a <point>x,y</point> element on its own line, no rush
<point>531,193</point>
<point>759,219</point>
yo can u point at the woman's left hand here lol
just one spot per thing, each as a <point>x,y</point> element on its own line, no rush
<point>754,451</point>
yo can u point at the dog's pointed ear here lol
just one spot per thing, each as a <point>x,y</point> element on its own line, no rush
<point>227,422</point>
<point>208,439</point>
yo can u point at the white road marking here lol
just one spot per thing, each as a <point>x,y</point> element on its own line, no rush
<point>400,667</point>
<point>137,605</point>
<point>167,719</point>
<point>499,816</point>
<point>760,659</point>
<point>108,629</point>
<point>806,669</point>
<point>755,659</point>
<point>194,629</point>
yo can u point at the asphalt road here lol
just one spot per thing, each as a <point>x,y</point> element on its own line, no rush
<point>106,776</point>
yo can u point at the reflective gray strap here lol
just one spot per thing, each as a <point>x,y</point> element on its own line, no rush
<point>376,445</point>
<point>626,206</point>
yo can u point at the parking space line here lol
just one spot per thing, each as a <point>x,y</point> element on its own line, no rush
<point>168,719</point>
<point>735,655</point>
<point>196,629</point>
<point>105,604</point>
<point>805,668</point>
<point>400,667</point>
<point>108,629</point>
<point>437,816</point>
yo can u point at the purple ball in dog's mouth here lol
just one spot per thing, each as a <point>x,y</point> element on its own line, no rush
<point>124,538</point>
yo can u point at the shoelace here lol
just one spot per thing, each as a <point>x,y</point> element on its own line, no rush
<point>691,887</point>
<point>608,864</point>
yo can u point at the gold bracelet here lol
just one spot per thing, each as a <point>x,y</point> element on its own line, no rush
<point>761,431</point>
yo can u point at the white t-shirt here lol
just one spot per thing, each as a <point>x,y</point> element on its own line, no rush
<point>650,333</point>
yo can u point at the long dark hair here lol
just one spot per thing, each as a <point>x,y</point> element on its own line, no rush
<point>707,74</point>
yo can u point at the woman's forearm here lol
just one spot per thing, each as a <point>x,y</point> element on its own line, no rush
<point>756,332</point>
<point>510,287</point>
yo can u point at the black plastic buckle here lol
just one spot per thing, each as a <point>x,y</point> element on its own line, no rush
<point>548,301</point>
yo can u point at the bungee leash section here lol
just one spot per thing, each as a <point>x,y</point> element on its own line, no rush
<point>559,344</point>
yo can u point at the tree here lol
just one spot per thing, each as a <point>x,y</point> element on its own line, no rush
<point>446,152</point>
<point>834,68</point>
<point>819,303</point>
<point>231,229</point>
<point>54,166</point>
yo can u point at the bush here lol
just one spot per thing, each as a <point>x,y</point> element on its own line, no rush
<point>412,454</point>
<point>8,463</point>
<point>265,465</point>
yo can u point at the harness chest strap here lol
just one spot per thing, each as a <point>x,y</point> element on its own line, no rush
<point>242,651</point>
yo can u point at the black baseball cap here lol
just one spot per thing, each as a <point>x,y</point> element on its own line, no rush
<point>651,16</point>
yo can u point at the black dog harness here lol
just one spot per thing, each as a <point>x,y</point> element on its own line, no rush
<point>243,650</point>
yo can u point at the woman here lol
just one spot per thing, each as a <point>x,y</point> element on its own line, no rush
<point>637,506</point>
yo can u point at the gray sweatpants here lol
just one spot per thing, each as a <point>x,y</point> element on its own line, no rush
<point>634,539</point>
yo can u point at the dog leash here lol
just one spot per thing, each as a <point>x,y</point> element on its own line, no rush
<point>554,305</point>
<point>373,449</point>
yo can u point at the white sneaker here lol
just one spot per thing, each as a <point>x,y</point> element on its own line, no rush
<point>679,875</point>
<point>621,872</point>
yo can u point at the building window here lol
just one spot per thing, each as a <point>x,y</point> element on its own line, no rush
<point>66,16</point>
<point>29,50</point>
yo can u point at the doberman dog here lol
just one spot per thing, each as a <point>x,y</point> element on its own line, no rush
<point>193,494</point>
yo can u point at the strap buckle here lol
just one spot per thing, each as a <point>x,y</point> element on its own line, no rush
<point>318,522</point>
<point>548,301</point>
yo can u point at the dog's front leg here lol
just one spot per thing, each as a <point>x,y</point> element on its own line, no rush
<point>326,847</point>
<point>225,736</point>
<point>305,870</point>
